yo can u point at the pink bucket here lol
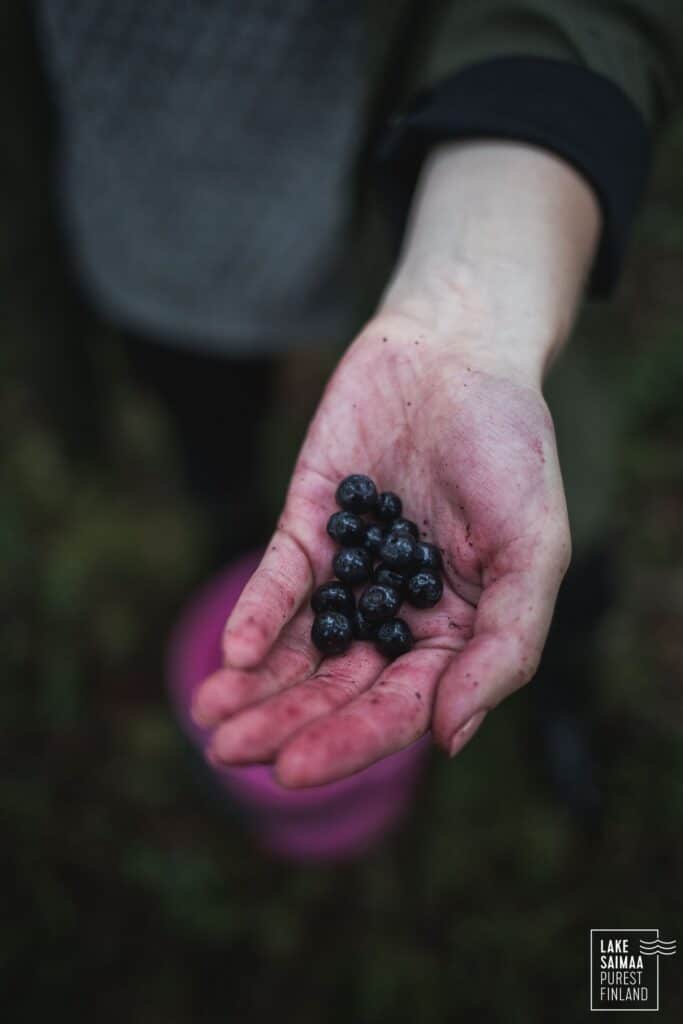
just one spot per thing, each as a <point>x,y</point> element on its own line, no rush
<point>337,821</point>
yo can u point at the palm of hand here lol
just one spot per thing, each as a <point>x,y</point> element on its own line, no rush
<point>473,457</point>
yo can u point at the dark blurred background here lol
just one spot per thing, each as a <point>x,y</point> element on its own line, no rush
<point>132,893</point>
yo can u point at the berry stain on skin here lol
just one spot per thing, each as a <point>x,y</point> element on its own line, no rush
<point>537,446</point>
<point>255,625</point>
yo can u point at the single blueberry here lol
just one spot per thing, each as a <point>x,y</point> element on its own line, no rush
<point>361,628</point>
<point>331,633</point>
<point>333,597</point>
<point>428,556</point>
<point>405,526</point>
<point>389,506</point>
<point>352,565</point>
<point>424,589</point>
<point>394,638</point>
<point>379,602</point>
<point>391,578</point>
<point>357,493</point>
<point>374,537</point>
<point>346,528</point>
<point>398,551</point>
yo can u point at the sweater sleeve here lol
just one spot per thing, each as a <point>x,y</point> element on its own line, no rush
<point>590,80</point>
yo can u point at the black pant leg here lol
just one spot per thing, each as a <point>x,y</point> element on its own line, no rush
<point>217,407</point>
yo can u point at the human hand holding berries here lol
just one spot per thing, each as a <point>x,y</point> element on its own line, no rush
<point>475,459</point>
<point>433,402</point>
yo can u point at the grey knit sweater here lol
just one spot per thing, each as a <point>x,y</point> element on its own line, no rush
<point>208,146</point>
<point>205,155</point>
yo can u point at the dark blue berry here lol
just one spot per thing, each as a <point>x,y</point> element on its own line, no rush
<point>394,638</point>
<point>374,537</point>
<point>424,589</point>
<point>333,597</point>
<point>346,528</point>
<point>398,551</point>
<point>379,602</point>
<point>389,506</point>
<point>357,493</point>
<point>361,628</point>
<point>352,565</point>
<point>331,632</point>
<point>428,556</point>
<point>391,578</point>
<point>405,526</point>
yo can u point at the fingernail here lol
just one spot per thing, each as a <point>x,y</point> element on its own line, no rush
<point>197,715</point>
<point>210,756</point>
<point>466,732</point>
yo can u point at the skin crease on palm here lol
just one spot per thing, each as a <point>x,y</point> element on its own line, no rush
<point>424,405</point>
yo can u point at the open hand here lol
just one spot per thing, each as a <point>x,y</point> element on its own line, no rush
<point>470,448</point>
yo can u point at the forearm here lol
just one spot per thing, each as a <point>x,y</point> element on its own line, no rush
<point>501,237</point>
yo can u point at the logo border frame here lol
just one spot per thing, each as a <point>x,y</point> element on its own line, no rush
<point>618,1009</point>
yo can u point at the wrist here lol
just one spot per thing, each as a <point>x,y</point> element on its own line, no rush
<point>499,243</point>
<point>459,313</point>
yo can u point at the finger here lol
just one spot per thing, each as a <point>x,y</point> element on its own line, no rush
<point>287,573</point>
<point>273,595</point>
<point>257,734</point>
<point>449,624</point>
<point>393,713</point>
<point>466,732</point>
<point>510,628</point>
<point>229,690</point>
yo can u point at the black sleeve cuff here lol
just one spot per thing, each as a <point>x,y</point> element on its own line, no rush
<point>563,107</point>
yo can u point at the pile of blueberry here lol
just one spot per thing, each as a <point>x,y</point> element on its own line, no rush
<point>389,557</point>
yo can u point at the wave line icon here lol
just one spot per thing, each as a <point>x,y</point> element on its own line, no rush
<point>657,947</point>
